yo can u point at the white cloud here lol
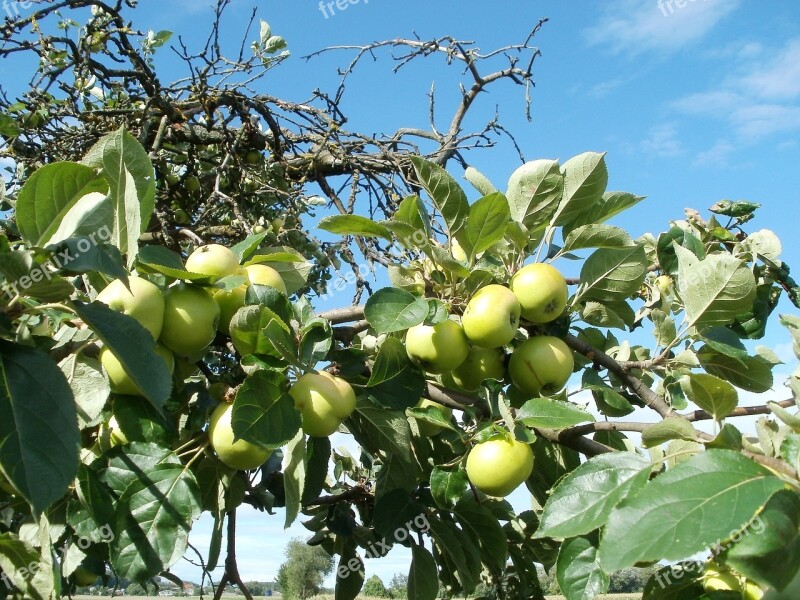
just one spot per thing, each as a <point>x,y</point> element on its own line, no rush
<point>777,79</point>
<point>635,26</point>
<point>717,155</point>
<point>663,141</point>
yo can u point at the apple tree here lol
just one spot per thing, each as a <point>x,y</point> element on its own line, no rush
<point>162,357</point>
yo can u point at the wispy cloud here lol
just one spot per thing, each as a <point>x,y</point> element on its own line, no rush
<point>760,98</point>
<point>663,141</point>
<point>634,26</point>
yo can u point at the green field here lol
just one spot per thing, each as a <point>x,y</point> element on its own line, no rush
<point>607,597</point>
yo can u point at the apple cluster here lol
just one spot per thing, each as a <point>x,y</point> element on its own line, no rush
<point>465,355</point>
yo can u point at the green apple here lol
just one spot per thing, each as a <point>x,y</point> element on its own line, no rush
<point>190,319</point>
<point>265,275</point>
<point>664,284</point>
<point>110,435</point>
<point>429,429</point>
<point>491,318</point>
<point>346,403</point>
<point>480,364</point>
<point>253,157</point>
<point>541,291</point>
<point>319,401</point>
<point>229,301</point>
<point>143,301</point>
<point>437,348</point>
<point>213,259</point>
<point>239,454</point>
<point>717,578</point>
<point>499,465</point>
<point>752,591</point>
<point>121,382</point>
<point>541,365</point>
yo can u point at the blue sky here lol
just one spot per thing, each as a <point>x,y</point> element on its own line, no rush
<point>694,101</point>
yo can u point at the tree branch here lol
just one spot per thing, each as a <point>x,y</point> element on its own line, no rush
<point>231,566</point>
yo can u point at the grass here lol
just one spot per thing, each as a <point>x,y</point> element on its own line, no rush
<point>606,597</point>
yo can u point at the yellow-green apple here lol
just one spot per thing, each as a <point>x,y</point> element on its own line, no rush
<point>541,365</point>
<point>260,274</point>
<point>84,576</point>
<point>121,382</point>
<point>229,301</point>
<point>190,319</point>
<point>717,578</point>
<point>430,429</point>
<point>491,318</point>
<point>213,259</point>
<point>457,251</point>
<point>239,454</point>
<point>437,348</point>
<point>346,403</point>
<point>319,401</point>
<point>110,434</point>
<point>499,465</point>
<point>480,364</point>
<point>542,292</point>
<point>664,284</point>
<point>144,302</point>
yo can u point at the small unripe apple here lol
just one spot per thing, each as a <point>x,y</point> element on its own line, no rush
<point>190,319</point>
<point>664,285</point>
<point>144,302</point>
<point>437,348</point>
<point>499,465</point>
<point>260,274</point>
<point>480,364</point>
<point>719,579</point>
<point>429,429</point>
<point>120,381</point>
<point>541,365</point>
<point>213,259</point>
<point>491,318</point>
<point>253,157</point>
<point>229,301</point>
<point>84,576</point>
<point>239,454</point>
<point>541,291</point>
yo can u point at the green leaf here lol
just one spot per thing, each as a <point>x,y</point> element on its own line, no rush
<point>263,412</point>
<point>790,450</point>
<point>552,462</point>
<point>158,259</point>
<point>584,499</point>
<point>585,180</point>
<point>49,194</point>
<point>458,550</point>
<point>687,509</point>
<point>27,278</point>
<point>316,341</point>
<point>738,208</point>
<point>714,290</point>
<point>677,582</point>
<point>547,413</point>
<point>665,248</point>
<point>664,326</point>
<point>89,385</point>
<point>393,511</point>
<point>354,225</point>
<point>395,382</point>
<point>154,516</point>
<point>486,225</point>
<point>411,223</point>
<point>447,195</point>
<point>392,309</point>
<point>318,453</point>
<point>140,422</point>
<point>244,249</point>
<point>714,395</point>
<point>21,563</point>
<point>611,204</point>
<point>792,323</point>
<point>133,345</point>
<point>446,262</point>
<point>534,192</point>
<point>294,476</point>
<point>8,126</point>
<point>379,430</point>
<point>725,341</point>
<point>86,257</point>
<point>767,550</point>
<point>133,462</point>
<point>595,313</point>
<point>39,437</point>
<point>273,299</point>
<point>131,178</point>
<point>750,373</point>
<point>596,236</point>
<point>671,428</point>
<point>578,569</point>
<point>349,574</point>
<point>249,331</point>
<point>423,582</point>
<point>92,215</point>
<point>613,273</point>
<point>447,486</point>
<point>485,531</point>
